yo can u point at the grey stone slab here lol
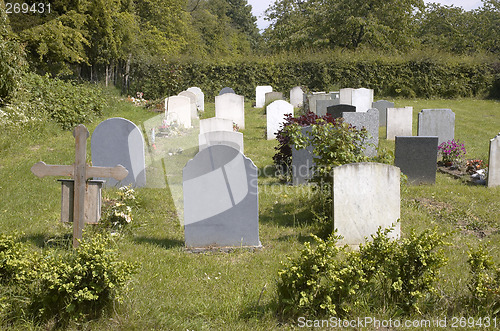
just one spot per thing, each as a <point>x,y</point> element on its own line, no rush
<point>178,111</point>
<point>273,96</point>
<point>322,105</point>
<point>275,115</point>
<point>493,179</point>
<point>366,196</point>
<point>231,106</point>
<point>369,121</point>
<point>302,161</point>
<point>228,138</point>
<point>192,99</point>
<point>399,122</point>
<point>437,122</point>
<point>200,97</point>
<point>313,98</point>
<point>336,111</point>
<point>215,124</point>
<point>382,106</point>
<point>417,158</point>
<point>221,206</point>
<point>119,141</point>
<point>226,90</point>
<point>297,96</point>
<point>260,95</point>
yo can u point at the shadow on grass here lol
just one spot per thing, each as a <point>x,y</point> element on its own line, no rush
<point>165,243</point>
<point>44,241</point>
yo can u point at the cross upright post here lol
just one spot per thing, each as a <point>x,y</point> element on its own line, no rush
<point>80,171</point>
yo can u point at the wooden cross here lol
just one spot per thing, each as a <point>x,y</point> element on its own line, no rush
<point>80,171</point>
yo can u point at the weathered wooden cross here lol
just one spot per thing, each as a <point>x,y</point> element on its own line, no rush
<point>80,171</point>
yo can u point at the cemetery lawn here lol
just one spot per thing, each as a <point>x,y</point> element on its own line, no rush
<point>177,290</point>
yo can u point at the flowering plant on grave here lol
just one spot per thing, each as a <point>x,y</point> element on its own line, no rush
<point>474,165</point>
<point>452,151</point>
<point>118,213</point>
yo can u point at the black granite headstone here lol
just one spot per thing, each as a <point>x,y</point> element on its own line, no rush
<point>337,110</point>
<point>417,158</point>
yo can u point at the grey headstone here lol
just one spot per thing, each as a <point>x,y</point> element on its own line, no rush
<point>226,90</point>
<point>382,106</point>
<point>494,163</point>
<point>273,96</point>
<point>260,95</point>
<point>302,161</point>
<point>221,206</point>
<point>231,106</point>
<point>417,158</point>
<point>399,122</point>
<point>336,110</point>
<point>313,98</point>
<point>369,121</point>
<point>366,196</point>
<point>275,115</point>
<point>200,97</point>
<point>297,96</point>
<point>228,138</point>
<point>437,122</point>
<point>119,141</point>
<point>322,105</point>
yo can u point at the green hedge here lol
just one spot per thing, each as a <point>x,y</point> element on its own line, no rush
<point>425,78</point>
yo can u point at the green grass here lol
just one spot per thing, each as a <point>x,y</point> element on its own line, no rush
<point>178,290</point>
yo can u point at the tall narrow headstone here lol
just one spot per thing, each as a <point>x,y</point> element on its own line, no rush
<point>417,158</point>
<point>302,160</point>
<point>275,113</point>
<point>494,162</point>
<point>382,106</point>
<point>260,95</point>
<point>226,90</point>
<point>192,99</point>
<point>297,96</point>
<point>221,206</point>
<point>322,106</point>
<point>369,121</point>
<point>178,110</point>
<point>366,196</point>
<point>119,141</point>
<point>231,106</point>
<point>200,97</point>
<point>399,122</point>
<point>437,122</point>
<point>228,138</point>
<point>336,111</point>
<point>215,124</point>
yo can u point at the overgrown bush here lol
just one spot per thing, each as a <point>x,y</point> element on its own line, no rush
<point>332,280</point>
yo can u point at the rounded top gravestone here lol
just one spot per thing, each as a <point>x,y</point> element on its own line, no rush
<point>226,90</point>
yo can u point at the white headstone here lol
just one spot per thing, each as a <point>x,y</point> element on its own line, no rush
<point>275,113</point>
<point>228,138</point>
<point>494,162</point>
<point>215,124</point>
<point>221,204</point>
<point>119,141</point>
<point>231,106</point>
<point>399,122</point>
<point>361,98</point>
<point>200,97</point>
<point>260,95</point>
<point>297,96</point>
<point>192,99</point>
<point>178,110</point>
<point>366,196</point>
<point>437,122</point>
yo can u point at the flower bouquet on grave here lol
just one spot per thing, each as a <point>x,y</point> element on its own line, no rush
<point>452,153</point>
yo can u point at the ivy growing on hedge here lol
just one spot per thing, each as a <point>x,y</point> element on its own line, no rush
<point>426,77</point>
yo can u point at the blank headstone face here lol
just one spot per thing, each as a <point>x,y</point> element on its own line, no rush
<point>437,122</point>
<point>200,97</point>
<point>192,98</point>
<point>361,98</point>
<point>313,98</point>
<point>260,95</point>
<point>399,122</point>
<point>275,113</point>
<point>119,141</point>
<point>178,110</point>
<point>221,206</point>
<point>297,96</point>
<point>417,158</point>
<point>366,196</point>
<point>322,106</point>
<point>382,106</point>
<point>302,161</point>
<point>273,96</point>
<point>215,124</point>
<point>494,162</point>
<point>226,90</point>
<point>336,111</point>
<point>231,106</point>
<point>228,138</point>
<point>368,120</point>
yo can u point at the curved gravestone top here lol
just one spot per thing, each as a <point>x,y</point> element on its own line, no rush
<point>119,141</point>
<point>220,199</point>
<point>228,138</point>
<point>192,98</point>
<point>336,110</point>
<point>226,90</point>
<point>200,97</point>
